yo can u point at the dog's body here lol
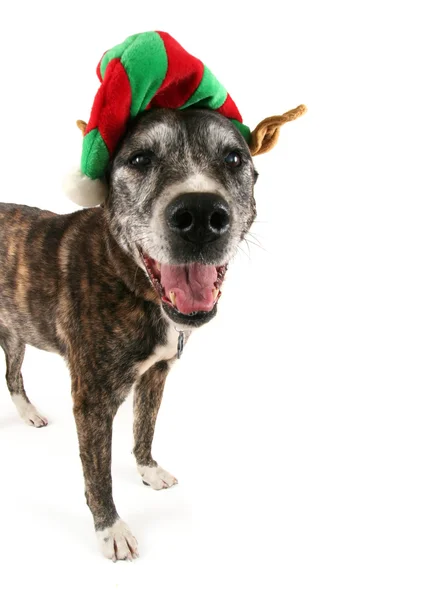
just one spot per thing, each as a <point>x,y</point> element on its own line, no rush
<point>110,288</point>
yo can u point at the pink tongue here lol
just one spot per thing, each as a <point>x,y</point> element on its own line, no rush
<point>192,284</point>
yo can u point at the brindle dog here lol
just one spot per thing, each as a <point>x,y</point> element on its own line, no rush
<point>111,288</point>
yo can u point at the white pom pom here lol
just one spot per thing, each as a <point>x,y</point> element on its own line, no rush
<point>85,191</point>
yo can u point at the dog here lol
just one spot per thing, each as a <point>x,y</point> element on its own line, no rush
<point>117,289</point>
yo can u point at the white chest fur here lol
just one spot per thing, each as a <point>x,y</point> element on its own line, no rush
<point>161,352</point>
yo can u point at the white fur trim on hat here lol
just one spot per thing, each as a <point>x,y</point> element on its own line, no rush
<point>85,191</point>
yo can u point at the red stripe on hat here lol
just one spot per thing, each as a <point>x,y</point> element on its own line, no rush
<point>183,76</point>
<point>111,108</point>
<point>229,109</point>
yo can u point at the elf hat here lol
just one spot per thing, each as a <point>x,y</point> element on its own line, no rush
<point>151,70</point>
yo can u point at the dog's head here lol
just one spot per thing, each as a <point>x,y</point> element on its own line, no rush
<point>181,200</point>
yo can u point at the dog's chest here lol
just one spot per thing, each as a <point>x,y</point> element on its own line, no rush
<point>165,351</point>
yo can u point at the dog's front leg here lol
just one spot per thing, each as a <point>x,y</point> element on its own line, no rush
<point>94,417</point>
<point>147,400</point>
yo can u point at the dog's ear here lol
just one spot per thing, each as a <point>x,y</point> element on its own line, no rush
<point>82,126</point>
<point>265,135</point>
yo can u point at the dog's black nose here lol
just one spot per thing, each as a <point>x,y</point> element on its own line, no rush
<point>198,217</point>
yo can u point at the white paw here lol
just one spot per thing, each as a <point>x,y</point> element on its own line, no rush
<point>117,542</point>
<point>28,412</point>
<point>157,477</point>
<point>32,417</point>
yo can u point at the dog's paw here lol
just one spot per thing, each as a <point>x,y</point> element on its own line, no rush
<point>28,412</point>
<point>117,542</point>
<point>157,477</point>
<point>32,417</point>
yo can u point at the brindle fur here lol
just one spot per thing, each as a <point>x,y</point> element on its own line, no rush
<point>147,400</point>
<point>74,284</point>
<point>89,302</point>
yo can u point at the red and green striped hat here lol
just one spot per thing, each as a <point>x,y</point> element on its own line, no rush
<point>148,70</point>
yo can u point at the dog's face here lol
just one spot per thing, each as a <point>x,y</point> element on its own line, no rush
<point>181,200</point>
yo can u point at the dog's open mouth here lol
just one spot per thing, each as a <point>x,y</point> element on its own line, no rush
<point>191,289</point>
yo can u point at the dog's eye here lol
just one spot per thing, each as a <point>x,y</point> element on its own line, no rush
<point>233,159</point>
<point>141,160</point>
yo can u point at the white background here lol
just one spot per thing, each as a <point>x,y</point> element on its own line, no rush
<point>295,421</point>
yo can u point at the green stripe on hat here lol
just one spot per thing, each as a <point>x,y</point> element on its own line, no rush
<point>95,156</point>
<point>210,92</point>
<point>143,53</point>
<point>243,129</point>
<point>116,52</point>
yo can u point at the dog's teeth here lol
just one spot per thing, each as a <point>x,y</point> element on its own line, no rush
<point>158,266</point>
<point>215,293</point>
<point>173,298</point>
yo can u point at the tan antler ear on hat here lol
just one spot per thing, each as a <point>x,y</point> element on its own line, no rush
<point>266,134</point>
<point>82,126</point>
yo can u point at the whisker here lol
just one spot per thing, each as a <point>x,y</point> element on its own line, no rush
<point>255,235</point>
<point>258,245</point>
<point>257,242</point>
<point>248,246</point>
<point>242,250</point>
